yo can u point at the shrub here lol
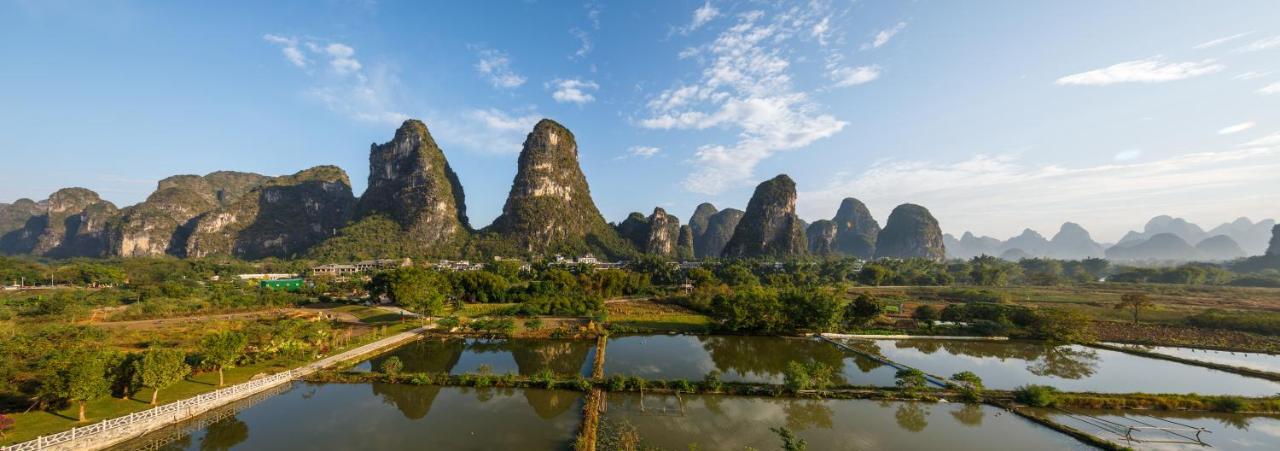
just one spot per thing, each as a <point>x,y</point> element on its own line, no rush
<point>971,385</point>
<point>617,383</point>
<point>533,324</point>
<point>392,366</point>
<point>807,376</point>
<point>684,386</point>
<point>1036,395</point>
<point>712,382</point>
<point>910,380</point>
<point>1229,404</point>
<point>581,383</point>
<point>448,322</point>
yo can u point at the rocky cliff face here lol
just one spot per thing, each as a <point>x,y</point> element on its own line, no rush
<point>71,223</point>
<point>911,232</point>
<point>1274,247</point>
<point>856,230</point>
<point>822,237</point>
<point>657,234</point>
<point>701,217</point>
<point>282,218</point>
<point>411,183</point>
<point>684,245</point>
<point>161,224</point>
<point>14,217</point>
<point>549,209</point>
<point>720,227</point>
<point>770,227</point>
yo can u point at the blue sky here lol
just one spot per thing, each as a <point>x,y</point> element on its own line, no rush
<point>996,115</point>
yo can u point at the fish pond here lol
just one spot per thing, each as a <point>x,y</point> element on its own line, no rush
<point>1009,364</point>
<point>1251,360</point>
<point>1171,430</point>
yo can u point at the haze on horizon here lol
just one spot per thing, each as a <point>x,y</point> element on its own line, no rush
<point>997,116</point>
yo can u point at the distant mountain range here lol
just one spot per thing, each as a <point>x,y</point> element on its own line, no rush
<point>1163,238</point>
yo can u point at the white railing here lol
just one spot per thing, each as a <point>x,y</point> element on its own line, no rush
<point>186,408</point>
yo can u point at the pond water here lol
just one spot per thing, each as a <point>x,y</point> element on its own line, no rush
<point>458,356</point>
<point>1009,364</point>
<point>1226,431</point>
<point>735,423</point>
<point>737,358</point>
<point>391,417</point>
<point>1251,360</point>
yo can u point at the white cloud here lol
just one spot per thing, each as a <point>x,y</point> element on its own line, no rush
<point>584,43</point>
<point>822,30</point>
<point>495,67</point>
<point>884,36</point>
<point>348,88</point>
<point>342,58</point>
<point>288,47</point>
<point>1150,70</point>
<point>1273,88</point>
<point>573,91</point>
<point>702,16</point>
<point>645,152</point>
<point>850,76</point>
<point>1250,75</point>
<point>487,130</point>
<point>1236,128</point>
<point>745,85</point>
<point>1127,155</point>
<point>1261,44</point>
<point>1265,141</point>
<point>988,191</point>
<point>1221,40</point>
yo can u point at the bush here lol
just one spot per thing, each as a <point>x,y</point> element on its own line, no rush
<point>392,366</point>
<point>1228,404</point>
<point>911,380</point>
<point>807,376</point>
<point>1036,395</point>
<point>617,383</point>
<point>711,382</point>
<point>971,385</point>
<point>683,386</point>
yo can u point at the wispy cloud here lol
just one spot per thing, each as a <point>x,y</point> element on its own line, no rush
<point>348,88</point>
<point>884,36</point>
<point>1261,44</point>
<point>1270,89</point>
<point>850,76</point>
<point>1150,70</point>
<point>746,85</point>
<point>645,152</point>
<point>1221,40</point>
<point>701,16</point>
<point>495,67</point>
<point>988,191</point>
<point>288,47</point>
<point>1237,128</point>
<point>584,43</point>
<point>488,130</point>
<point>573,91</point>
<point>1272,140</point>
<point>1250,75</point>
<point>1128,155</point>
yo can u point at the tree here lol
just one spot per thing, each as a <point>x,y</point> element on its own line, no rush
<point>222,350</point>
<point>810,309</point>
<point>1064,326</point>
<point>421,291</point>
<point>926,313</point>
<point>1135,302</point>
<point>910,380</point>
<point>160,368</point>
<point>863,309</point>
<point>392,366</point>
<point>789,440</point>
<point>82,377</point>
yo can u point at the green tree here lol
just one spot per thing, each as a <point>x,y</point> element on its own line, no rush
<point>418,290</point>
<point>160,368</point>
<point>910,380</point>
<point>82,377</point>
<point>1134,302</point>
<point>392,366</point>
<point>810,309</point>
<point>789,440</point>
<point>926,313</point>
<point>222,350</point>
<point>862,310</point>
<point>971,385</point>
<point>1064,326</point>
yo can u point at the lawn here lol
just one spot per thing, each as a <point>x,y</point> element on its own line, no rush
<point>656,316</point>
<point>370,315</point>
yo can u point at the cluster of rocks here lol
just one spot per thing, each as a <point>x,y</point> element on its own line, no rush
<point>415,206</point>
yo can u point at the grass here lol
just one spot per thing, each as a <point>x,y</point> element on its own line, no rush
<point>472,310</point>
<point>647,315</point>
<point>370,315</point>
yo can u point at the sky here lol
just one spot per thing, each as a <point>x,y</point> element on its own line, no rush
<point>996,115</point>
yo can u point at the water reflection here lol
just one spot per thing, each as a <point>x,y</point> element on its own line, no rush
<point>224,435</point>
<point>400,417</point>
<point>737,358</point>
<point>458,356</point>
<point>1009,364</point>
<point>716,422</point>
<point>1228,431</point>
